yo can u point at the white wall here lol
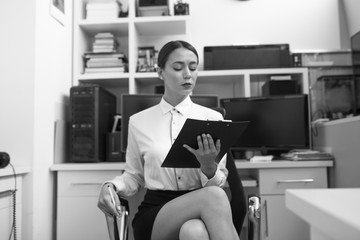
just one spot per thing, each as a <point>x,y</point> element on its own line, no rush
<point>352,8</point>
<point>51,88</point>
<point>35,77</point>
<point>17,69</point>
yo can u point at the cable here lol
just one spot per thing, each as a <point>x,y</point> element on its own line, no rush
<point>13,228</point>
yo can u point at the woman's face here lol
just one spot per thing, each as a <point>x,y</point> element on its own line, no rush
<point>179,75</point>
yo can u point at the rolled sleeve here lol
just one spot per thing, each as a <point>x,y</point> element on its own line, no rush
<point>220,176</point>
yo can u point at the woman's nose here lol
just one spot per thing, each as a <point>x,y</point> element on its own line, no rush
<point>187,74</point>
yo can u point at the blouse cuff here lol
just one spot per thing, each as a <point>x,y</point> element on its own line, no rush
<point>216,180</point>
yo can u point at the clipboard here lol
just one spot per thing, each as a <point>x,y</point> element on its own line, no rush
<point>227,132</point>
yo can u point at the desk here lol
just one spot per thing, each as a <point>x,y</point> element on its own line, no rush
<point>79,185</point>
<point>331,213</point>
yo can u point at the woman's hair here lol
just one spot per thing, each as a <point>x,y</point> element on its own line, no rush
<point>170,47</point>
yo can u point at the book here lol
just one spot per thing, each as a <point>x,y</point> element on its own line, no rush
<point>93,55</point>
<point>104,64</point>
<point>227,132</point>
<point>105,69</point>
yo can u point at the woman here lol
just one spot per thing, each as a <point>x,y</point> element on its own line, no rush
<point>179,203</point>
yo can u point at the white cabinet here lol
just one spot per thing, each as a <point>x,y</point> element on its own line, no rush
<point>278,222</point>
<point>78,216</point>
<point>7,185</point>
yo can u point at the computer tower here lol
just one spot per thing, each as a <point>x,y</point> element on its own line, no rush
<point>92,115</point>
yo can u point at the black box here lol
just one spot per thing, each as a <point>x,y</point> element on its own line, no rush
<point>92,111</point>
<point>280,87</point>
<point>247,57</point>
<point>113,147</point>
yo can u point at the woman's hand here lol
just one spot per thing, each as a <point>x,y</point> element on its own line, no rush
<point>109,201</point>
<point>206,153</point>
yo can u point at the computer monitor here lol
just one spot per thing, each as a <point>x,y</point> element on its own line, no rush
<point>355,49</point>
<point>277,123</point>
<point>133,103</point>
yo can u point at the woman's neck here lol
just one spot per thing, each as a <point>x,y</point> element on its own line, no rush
<point>174,100</point>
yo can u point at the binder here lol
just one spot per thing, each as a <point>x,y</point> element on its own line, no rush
<point>228,133</point>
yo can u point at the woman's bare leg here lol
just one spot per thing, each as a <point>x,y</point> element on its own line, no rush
<point>194,229</point>
<point>209,204</point>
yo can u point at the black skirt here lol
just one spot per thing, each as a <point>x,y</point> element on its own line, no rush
<point>144,219</point>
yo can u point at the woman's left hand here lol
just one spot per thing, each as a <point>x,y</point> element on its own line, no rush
<point>206,153</point>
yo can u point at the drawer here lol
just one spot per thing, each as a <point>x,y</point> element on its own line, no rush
<point>83,183</point>
<point>276,181</point>
<point>6,184</point>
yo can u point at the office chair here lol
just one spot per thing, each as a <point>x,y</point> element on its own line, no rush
<point>238,201</point>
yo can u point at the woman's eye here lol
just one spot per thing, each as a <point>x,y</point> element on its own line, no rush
<point>193,67</point>
<point>177,67</point>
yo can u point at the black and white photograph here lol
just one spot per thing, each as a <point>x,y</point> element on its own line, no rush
<point>179,120</point>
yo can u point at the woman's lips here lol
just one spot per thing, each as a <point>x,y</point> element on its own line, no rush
<point>187,85</point>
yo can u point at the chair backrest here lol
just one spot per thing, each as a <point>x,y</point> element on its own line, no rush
<point>238,200</point>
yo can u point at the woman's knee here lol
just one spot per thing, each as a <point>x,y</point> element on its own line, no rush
<point>194,229</point>
<point>216,196</point>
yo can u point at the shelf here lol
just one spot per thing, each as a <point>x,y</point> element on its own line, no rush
<point>103,76</point>
<point>118,27</point>
<point>111,82</point>
<point>159,26</point>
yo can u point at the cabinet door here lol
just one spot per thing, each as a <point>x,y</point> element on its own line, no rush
<point>278,222</point>
<point>80,218</point>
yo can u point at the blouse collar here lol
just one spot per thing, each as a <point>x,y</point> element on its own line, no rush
<point>182,107</point>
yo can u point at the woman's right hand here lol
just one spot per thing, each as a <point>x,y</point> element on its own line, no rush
<point>109,201</point>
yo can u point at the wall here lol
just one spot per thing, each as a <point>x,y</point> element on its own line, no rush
<point>17,79</point>
<point>51,88</point>
<point>35,77</point>
<point>352,15</point>
<point>17,68</point>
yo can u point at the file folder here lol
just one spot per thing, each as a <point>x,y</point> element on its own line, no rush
<point>227,132</point>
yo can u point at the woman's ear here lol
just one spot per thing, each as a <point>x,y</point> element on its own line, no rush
<point>160,73</point>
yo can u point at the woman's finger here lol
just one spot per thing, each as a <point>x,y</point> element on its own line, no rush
<point>205,142</point>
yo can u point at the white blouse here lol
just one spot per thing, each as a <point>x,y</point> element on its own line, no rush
<point>151,134</point>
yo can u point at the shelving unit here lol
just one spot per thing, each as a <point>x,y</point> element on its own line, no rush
<point>134,32</point>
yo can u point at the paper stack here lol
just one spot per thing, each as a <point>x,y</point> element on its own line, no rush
<point>306,155</point>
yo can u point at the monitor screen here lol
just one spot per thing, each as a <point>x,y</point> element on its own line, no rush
<point>276,123</point>
<point>133,103</point>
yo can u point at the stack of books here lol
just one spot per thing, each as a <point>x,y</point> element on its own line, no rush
<point>105,42</point>
<point>105,56</point>
<point>102,10</point>
<point>105,62</point>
